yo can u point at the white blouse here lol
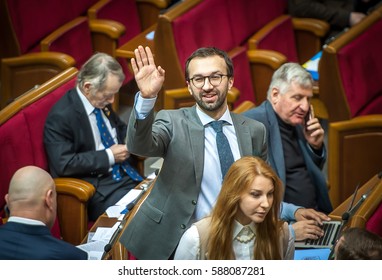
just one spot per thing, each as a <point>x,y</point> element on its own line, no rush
<point>189,245</point>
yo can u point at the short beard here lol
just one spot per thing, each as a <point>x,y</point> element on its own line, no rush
<point>210,107</point>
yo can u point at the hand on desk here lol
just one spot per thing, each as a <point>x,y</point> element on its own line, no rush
<point>308,224</point>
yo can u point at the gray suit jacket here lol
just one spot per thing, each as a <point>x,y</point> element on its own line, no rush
<point>314,163</point>
<point>178,137</point>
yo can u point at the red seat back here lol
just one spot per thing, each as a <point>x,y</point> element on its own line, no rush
<point>75,41</point>
<point>247,17</point>
<point>360,67</point>
<point>207,24</point>
<point>21,138</point>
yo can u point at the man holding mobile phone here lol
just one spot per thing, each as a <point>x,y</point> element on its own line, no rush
<point>295,137</point>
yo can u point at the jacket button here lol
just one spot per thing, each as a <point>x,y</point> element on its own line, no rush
<point>182,226</point>
<point>194,202</point>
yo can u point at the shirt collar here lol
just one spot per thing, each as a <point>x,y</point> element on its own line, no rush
<point>206,119</point>
<point>27,221</point>
<point>237,227</point>
<point>89,108</point>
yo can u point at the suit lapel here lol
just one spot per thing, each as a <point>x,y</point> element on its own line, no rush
<point>243,135</point>
<point>196,132</point>
<point>275,148</point>
<point>83,123</point>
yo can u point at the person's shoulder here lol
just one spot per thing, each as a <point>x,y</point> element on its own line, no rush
<point>247,120</point>
<point>69,251</point>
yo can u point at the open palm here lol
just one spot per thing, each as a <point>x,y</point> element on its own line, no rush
<point>148,76</point>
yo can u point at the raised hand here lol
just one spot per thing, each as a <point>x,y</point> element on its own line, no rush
<point>148,76</point>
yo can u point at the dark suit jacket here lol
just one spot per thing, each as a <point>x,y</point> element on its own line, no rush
<point>29,242</point>
<point>314,163</point>
<point>178,137</point>
<point>69,142</point>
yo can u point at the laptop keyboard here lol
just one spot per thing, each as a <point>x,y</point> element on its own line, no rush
<point>330,232</point>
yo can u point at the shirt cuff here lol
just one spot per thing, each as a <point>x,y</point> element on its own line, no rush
<point>143,106</point>
<point>110,156</point>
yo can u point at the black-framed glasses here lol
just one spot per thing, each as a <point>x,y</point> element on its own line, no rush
<point>214,79</point>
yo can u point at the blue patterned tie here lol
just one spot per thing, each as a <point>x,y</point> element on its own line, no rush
<point>224,150</point>
<point>108,141</point>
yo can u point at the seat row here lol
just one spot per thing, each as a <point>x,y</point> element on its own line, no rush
<point>42,38</point>
<point>258,35</point>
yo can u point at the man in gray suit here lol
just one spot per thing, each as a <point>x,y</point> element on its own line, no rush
<point>190,178</point>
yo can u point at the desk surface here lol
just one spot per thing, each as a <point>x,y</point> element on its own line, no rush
<point>118,251</point>
<point>336,214</point>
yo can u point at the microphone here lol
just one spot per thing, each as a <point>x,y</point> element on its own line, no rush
<point>109,245</point>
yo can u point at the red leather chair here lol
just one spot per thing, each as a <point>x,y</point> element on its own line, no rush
<point>350,71</point>
<point>21,143</point>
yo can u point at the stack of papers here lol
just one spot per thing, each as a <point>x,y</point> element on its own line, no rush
<point>97,241</point>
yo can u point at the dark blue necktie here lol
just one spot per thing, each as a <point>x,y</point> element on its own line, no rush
<point>108,141</point>
<point>224,150</point>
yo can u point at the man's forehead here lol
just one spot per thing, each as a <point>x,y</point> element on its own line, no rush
<point>207,65</point>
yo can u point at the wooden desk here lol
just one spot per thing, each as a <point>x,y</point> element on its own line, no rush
<point>336,214</point>
<point>118,251</point>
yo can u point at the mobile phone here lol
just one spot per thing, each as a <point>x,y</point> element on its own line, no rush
<point>309,115</point>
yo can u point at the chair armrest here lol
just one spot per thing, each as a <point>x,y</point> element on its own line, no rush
<point>149,11</point>
<point>111,28</point>
<point>22,73</point>
<point>105,35</point>
<point>244,106</point>
<point>72,197</point>
<point>318,27</point>
<point>309,35</point>
<point>263,64</point>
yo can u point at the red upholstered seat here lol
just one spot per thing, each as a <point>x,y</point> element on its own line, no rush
<point>350,71</point>
<point>124,12</point>
<point>247,17</point>
<point>205,24</point>
<point>21,139</point>
<point>374,224</point>
<point>73,38</point>
<point>29,22</point>
<point>360,67</point>
<point>280,38</point>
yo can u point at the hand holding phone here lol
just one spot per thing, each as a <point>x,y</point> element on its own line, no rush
<point>309,115</point>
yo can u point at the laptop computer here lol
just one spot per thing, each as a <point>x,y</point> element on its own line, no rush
<point>332,229</point>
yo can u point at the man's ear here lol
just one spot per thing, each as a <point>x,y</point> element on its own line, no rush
<point>189,87</point>
<point>87,87</point>
<point>6,199</point>
<point>230,83</point>
<point>275,95</point>
<point>49,199</point>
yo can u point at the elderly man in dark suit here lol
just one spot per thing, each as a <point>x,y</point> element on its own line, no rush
<point>84,137</point>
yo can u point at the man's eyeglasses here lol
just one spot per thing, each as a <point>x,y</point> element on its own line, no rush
<point>214,79</point>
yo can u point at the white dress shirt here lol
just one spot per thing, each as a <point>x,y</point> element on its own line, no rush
<point>89,108</point>
<point>212,176</point>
